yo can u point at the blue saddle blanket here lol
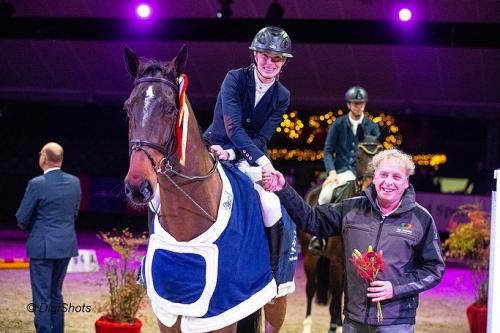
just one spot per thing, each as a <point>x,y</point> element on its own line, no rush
<point>223,275</point>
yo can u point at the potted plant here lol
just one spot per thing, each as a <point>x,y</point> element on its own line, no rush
<point>125,294</point>
<point>469,242</point>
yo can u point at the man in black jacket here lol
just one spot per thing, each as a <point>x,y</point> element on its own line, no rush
<point>386,217</point>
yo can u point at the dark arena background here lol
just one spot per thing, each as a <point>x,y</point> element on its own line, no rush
<point>433,80</point>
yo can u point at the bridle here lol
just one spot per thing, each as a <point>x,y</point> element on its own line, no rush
<point>164,167</point>
<point>370,149</point>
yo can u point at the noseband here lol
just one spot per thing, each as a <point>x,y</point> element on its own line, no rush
<point>164,167</point>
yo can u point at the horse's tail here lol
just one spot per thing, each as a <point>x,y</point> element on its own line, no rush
<point>323,274</point>
<point>250,324</point>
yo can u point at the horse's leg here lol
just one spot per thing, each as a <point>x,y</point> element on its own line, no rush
<point>310,268</point>
<point>275,314</point>
<point>337,268</point>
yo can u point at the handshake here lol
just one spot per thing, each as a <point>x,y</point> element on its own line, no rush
<point>272,180</point>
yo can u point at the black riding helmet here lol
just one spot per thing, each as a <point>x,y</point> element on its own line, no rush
<point>356,94</point>
<point>273,40</point>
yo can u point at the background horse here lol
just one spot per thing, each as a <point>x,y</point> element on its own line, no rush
<point>191,193</point>
<point>325,274</point>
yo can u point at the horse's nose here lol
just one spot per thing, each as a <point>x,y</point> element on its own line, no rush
<point>141,194</point>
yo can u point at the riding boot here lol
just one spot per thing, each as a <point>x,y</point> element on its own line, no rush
<point>317,245</point>
<point>275,238</point>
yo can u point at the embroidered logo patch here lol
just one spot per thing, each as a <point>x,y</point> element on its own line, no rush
<point>405,228</point>
<point>228,203</point>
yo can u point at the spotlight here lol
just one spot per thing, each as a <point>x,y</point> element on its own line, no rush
<point>143,11</point>
<point>275,12</point>
<point>404,14</point>
<point>225,9</point>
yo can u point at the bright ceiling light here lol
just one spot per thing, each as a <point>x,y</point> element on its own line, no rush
<point>143,11</point>
<point>404,14</point>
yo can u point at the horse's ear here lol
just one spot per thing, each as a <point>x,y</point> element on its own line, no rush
<point>384,133</point>
<point>131,61</point>
<point>360,134</point>
<point>180,60</point>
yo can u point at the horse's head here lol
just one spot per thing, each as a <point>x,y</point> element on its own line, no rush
<point>152,110</point>
<point>368,147</point>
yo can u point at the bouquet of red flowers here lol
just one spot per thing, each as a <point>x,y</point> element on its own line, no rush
<point>368,265</point>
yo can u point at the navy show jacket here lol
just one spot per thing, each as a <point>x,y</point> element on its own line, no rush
<point>240,126</point>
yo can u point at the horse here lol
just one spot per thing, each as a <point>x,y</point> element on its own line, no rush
<point>325,274</point>
<point>167,150</point>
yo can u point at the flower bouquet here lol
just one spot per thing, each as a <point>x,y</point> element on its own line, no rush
<point>368,265</point>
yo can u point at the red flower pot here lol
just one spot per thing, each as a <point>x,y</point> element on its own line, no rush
<point>104,325</point>
<point>477,314</point>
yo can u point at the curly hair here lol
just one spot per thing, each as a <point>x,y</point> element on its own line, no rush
<point>404,159</point>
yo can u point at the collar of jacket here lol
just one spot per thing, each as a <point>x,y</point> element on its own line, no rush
<point>408,199</point>
<point>250,78</point>
<point>251,85</point>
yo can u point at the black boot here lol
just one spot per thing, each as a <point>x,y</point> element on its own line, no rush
<point>275,238</point>
<point>317,245</point>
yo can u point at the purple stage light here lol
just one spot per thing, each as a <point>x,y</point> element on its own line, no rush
<point>404,14</point>
<point>143,11</point>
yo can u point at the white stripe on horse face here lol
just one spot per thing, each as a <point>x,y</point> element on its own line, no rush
<point>149,96</point>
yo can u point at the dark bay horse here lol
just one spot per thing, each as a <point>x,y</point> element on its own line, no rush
<point>167,150</point>
<point>325,274</point>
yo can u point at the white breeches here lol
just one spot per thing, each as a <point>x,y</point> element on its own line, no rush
<point>269,202</point>
<point>325,196</point>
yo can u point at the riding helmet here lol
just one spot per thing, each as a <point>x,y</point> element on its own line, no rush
<point>274,40</point>
<point>356,94</point>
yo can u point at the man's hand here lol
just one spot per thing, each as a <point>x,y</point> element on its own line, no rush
<point>380,290</point>
<point>331,179</point>
<point>272,181</point>
<point>218,151</point>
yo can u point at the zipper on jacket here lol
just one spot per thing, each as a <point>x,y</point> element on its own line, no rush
<point>375,248</point>
<point>379,232</point>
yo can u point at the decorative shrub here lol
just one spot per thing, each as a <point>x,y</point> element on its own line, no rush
<point>125,294</point>
<point>469,242</point>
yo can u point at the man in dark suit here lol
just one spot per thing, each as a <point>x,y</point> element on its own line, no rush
<point>48,212</point>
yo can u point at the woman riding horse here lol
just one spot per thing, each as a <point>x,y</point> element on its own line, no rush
<point>250,105</point>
